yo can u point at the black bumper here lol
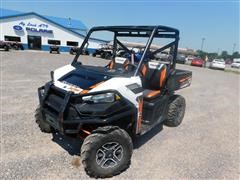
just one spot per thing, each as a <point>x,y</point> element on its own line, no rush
<point>58,107</point>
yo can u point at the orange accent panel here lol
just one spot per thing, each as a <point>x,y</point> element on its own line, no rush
<point>85,131</point>
<point>75,90</point>
<point>153,93</point>
<point>84,92</point>
<point>162,76</point>
<point>184,79</point>
<point>139,119</point>
<point>111,65</point>
<point>125,65</point>
<point>95,85</point>
<point>144,70</point>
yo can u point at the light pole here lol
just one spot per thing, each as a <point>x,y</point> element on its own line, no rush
<point>203,39</point>
<point>234,45</point>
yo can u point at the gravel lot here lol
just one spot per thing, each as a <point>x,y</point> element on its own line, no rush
<point>206,145</point>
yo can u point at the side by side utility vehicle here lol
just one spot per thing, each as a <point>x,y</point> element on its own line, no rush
<point>109,105</point>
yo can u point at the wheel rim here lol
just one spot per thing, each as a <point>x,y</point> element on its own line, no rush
<point>109,155</point>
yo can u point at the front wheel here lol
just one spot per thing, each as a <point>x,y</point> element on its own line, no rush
<point>40,120</point>
<point>6,48</point>
<point>176,111</point>
<point>106,152</point>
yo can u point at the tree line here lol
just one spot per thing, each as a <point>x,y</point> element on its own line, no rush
<point>224,55</point>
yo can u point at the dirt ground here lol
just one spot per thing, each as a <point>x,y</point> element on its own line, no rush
<point>204,146</point>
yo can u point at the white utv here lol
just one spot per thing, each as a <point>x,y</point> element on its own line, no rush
<point>107,106</point>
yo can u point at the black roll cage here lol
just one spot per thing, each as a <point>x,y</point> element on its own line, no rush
<point>138,31</point>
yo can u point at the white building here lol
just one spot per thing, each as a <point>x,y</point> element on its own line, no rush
<point>38,32</point>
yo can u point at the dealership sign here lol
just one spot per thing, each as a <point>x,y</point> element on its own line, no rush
<point>33,27</point>
<point>17,28</point>
<point>39,30</point>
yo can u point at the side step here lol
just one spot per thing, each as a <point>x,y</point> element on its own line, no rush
<point>146,126</point>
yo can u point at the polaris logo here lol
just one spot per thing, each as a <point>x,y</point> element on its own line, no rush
<point>39,30</point>
<point>17,28</point>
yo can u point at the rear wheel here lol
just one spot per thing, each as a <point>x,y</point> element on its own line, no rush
<point>6,48</point>
<point>176,111</point>
<point>16,47</point>
<point>40,120</point>
<point>108,56</point>
<point>106,152</point>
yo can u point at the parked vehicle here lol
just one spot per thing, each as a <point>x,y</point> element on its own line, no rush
<point>54,48</point>
<point>236,63</point>
<point>162,55</point>
<point>228,61</point>
<point>197,62</point>
<point>74,50</point>
<point>181,59</point>
<point>189,58</point>
<point>217,64</point>
<point>105,51</point>
<point>4,46</point>
<point>108,105</point>
<point>17,46</point>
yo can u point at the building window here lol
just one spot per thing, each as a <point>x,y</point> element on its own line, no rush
<point>55,42</point>
<point>72,43</point>
<point>12,38</point>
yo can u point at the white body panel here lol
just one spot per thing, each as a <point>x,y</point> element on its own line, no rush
<point>62,71</point>
<point>235,65</point>
<point>58,73</point>
<point>218,64</point>
<point>119,84</point>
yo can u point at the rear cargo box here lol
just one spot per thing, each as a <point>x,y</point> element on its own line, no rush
<point>183,78</point>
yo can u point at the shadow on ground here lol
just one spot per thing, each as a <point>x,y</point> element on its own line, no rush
<point>73,145</point>
<point>141,140</point>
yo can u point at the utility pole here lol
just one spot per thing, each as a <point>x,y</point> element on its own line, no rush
<point>234,45</point>
<point>203,39</point>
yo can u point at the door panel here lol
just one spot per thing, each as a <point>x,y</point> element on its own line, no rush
<point>34,42</point>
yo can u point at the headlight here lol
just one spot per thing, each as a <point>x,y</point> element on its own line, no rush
<point>101,98</point>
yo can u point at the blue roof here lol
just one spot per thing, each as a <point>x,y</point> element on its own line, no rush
<point>8,12</point>
<point>70,24</point>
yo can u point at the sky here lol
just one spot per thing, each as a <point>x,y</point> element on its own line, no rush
<point>214,20</point>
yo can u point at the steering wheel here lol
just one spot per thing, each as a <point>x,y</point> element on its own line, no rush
<point>131,65</point>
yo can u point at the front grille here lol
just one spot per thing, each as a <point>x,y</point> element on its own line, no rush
<point>54,101</point>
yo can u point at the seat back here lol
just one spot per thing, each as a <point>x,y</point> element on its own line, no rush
<point>118,63</point>
<point>154,75</point>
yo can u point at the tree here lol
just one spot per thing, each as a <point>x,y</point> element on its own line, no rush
<point>201,54</point>
<point>224,55</point>
<point>235,55</point>
<point>212,55</point>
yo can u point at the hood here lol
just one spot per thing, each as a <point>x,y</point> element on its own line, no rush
<point>83,78</point>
